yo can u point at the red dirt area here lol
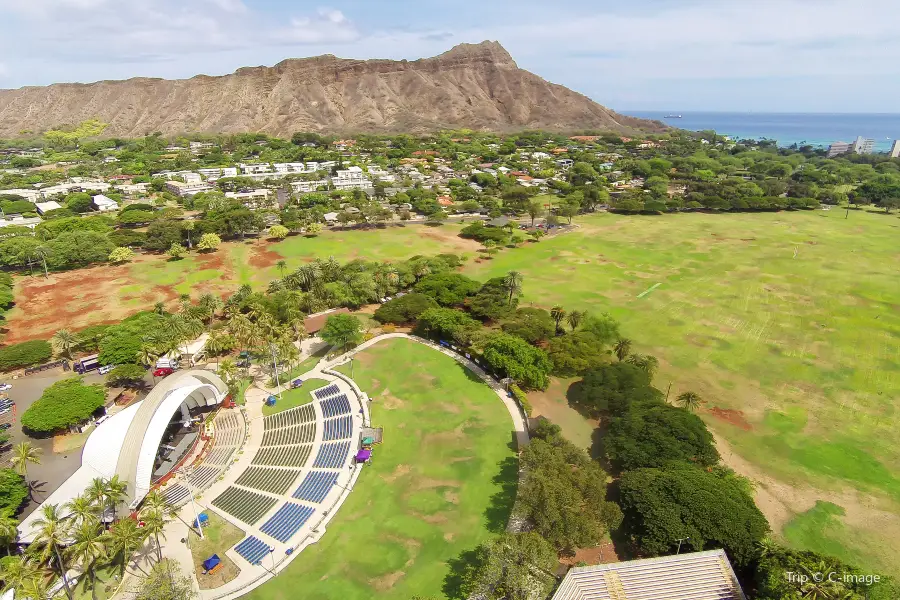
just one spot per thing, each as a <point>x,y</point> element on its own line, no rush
<point>598,555</point>
<point>262,257</point>
<point>733,417</point>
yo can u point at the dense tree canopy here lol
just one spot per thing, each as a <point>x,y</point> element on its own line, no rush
<point>512,567</point>
<point>447,289</point>
<point>514,357</point>
<point>63,404</point>
<point>446,324</point>
<point>13,491</point>
<point>492,301</point>
<point>405,309</point>
<point>342,331</point>
<point>613,387</point>
<point>25,354</point>
<point>534,325</point>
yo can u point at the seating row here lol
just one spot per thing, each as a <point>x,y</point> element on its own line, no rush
<point>274,481</point>
<point>316,485</point>
<point>175,494</point>
<point>287,521</point>
<point>253,549</point>
<point>338,405</point>
<point>332,456</point>
<point>299,434</point>
<point>203,476</point>
<point>243,504</point>
<point>338,429</point>
<point>326,391</point>
<point>288,418</point>
<point>283,456</point>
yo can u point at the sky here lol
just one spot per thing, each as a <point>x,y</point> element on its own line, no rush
<point>686,55</point>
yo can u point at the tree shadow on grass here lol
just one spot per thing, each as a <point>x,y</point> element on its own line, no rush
<point>498,511</point>
<point>459,574</point>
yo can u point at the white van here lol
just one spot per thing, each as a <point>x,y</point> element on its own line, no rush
<point>106,369</point>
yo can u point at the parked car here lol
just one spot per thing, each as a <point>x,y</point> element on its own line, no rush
<point>163,372</point>
<point>296,383</point>
<point>5,426</point>
<point>106,369</point>
<point>5,386</point>
<point>6,403</point>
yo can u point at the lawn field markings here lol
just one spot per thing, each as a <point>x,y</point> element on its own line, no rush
<point>650,289</point>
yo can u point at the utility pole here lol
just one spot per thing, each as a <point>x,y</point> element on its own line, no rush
<point>275,361</point>
<point>193,505</point>
<point>680,541</point>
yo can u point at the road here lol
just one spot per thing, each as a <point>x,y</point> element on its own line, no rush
<point>54,468</point>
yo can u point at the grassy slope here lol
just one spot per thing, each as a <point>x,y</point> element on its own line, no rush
<point>293,398</point>
<point>426,497</point>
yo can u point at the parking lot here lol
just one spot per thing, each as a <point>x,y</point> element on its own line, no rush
<point>54,468</point>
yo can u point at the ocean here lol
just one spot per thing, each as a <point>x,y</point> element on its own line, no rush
<point>817,129</point>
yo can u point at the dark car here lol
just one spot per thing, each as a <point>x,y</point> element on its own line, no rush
<point>296,383</point>
<point>163,372</point>
<point>5,426</point>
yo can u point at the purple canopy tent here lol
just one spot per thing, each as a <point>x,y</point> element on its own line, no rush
<point>363,455</point>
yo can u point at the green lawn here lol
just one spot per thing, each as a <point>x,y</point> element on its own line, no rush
<point>294,398</point>
<point>792,318</point>
<point>106,584</point>
<point>306,365</point>
<point>219,535</point>
<point>439,484</point>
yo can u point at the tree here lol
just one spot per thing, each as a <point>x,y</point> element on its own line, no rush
<point>282,265</point>
<point>209,242</point>
<point>63,404</point>
<point>83,508</point>
<point>87,548</point>
<point>558,313</point>
<point>22,574</point>
<point>516,358</point>
<point>13,491</point>
<point>689,401</point>
<point>51,538</point>
<point>704,508</point>
<point>165,582</point>
<point>534,325</point>
<point>513,284</point>
<point>644,361</point>
<point>405,309</point>
<point>24,354</point>
<point>64,341</point>
<point>448,289</point>
<point>622,348</point>
<point>125,537</point>
<point>446,324</point>
<point>155,510</point>
<point>513,567</point>
<point>342,331</point>
<point>126,375</point>
<point>24,453</point>
<point>176,251</point>
<point>535,210</point>
<point>576,353</point>
<point>121,255</point>
<point>492,301</point>
<point>313,229</point>
<point>575,318</point>
<point>278,232</point>
<point>613,388</point>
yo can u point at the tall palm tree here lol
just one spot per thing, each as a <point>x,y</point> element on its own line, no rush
<point>282,265</point>
<point>125,537</point>
<point>41,252</point>
<point>159,308</point>
<point>24,453</point>
<point>52,536</point>
<point>96,491</point>
<point>689,401</point>
<point>644,361</point>
<point>558,313</point>
<point>154,524</point>
<point>15,573</point>
<point>83,509</point>
<point>116,491</point>
<point>64,341</point>
<point>89,545</point>
<point>211,304</point>
<point>227,370</point>
<point>513,284</point>
<point>35,588</point>
<point>148,355</point>
<point>574,319</point>
<point>623,348</point>
<point>9,531</point>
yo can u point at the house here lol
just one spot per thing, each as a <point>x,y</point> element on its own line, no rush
<point>218,172</point>
<point>187,189</point>
<point>304,187</point>
<point>45,207</point>
<point>105,204</point>
<point>331,217</point>
<point>20,221</point>
<point>695,575</point>
<point>294,167</point>
<point>565,163</point>
<point>351,178</point>
<point>30,195</point>
<point>253,198</point>
<point>256,168</point>
<point>445,200</point>
<point>110,159</point>
<point>196,147</point>
<point>133,189</point>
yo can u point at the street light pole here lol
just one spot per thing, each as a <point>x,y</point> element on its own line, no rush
<point>194,506</point>
<point>275,361</point>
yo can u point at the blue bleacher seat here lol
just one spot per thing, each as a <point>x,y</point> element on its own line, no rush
<point>332,456</point>
<point>316,486</point>
<point>338,405</point>
<point>324,392</point>
<point>338,429</point>
<point>287,521</point>
<point>253,549</point>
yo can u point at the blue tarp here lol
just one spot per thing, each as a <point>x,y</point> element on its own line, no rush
<point>271,400</point>
<point>212,562</point>
<point>202,520</point>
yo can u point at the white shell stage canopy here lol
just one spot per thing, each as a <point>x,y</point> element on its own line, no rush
<point>127,443</point>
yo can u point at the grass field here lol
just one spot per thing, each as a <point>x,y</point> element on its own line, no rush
<point>294,397</point>
<point>218,536</point>
<point>443,479</point>
<point>788,322</point>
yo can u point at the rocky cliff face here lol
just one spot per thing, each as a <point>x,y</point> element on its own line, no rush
<point>473,86</point>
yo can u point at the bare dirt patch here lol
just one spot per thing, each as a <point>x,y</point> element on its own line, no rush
<point>450,238</point>
<point>399,472</point>
<point>263,257</point>
<point>386,582</point>
<point>389,401</point>
<point>450,408</point>
<point>734,417</point>
<point>598,555</point>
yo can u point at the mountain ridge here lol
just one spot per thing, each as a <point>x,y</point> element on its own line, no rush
<point>477,86</point>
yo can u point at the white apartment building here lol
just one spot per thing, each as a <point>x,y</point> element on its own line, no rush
<point>218,172</point>
<point>134,189</point>
<point>351,178</point>
<point>105,203</point>
<point>895,149</point>
<point>198,146</point>
<point>30,195</point>
<point>304,187</point>
<point>20,221</point>
<point>256,168</point>
<point>377,172</point>
<point>864,145</point>
<point>187,189</point>
<point>188,176</point>
<point>838,148</point>
<point>252,198</point>
<point>287,168</point>
<point>65,188</point>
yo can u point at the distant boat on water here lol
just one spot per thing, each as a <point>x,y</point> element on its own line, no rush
<point>672,117</point>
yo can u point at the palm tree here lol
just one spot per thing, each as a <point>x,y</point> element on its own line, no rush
<point>125,537</point>
<point>41,252</point>
<point>644,361</point>
<point>558,313</point>
<point>83,508</point>
<point>154,524</point>
<point>116,491</point>
<point>148,355</point>
<point>513,284</point>
<point>159,308</point>
<point>17,572</point>
<point>88,546</point>
<point>210,304</point>
<point>96,491</point>
<point>574,319</point>
<point>9,531</point>
<point>52,536</point>
<point>227,370</point>
<point>24,453</point>
<point>64,341</point>
<point>282,265</point>
<point>36,588</point>
<point>623,348</point>
<point>689,401</point>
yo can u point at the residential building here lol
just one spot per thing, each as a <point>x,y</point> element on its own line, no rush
<point>256,168</point>
<point>305,187</point>
<point>565,163</point>
<point>44,207</point>
<point>895,149</point>
<point>20,221</point>
<point>254,198</point>
<point>188,176</point>
<point>75,186</point>
<point>196,147</point>
<point>218,172</point>
<point>105,204</point>
<point>695,575</point>
<point>133,189</point>
<point>187,189</point>
<point>311,167</point>
<point>864,145</point>
<point>30,195</point>
<point>838,148</point>
<point>351,178</point>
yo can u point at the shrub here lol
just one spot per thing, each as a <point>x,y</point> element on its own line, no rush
<point>63,404</point>
<point>13,491</point>
<point>404,309</point>
<point>126,375</point>
<point>127,238</point>
<point>25,354</point>
<point>209,242</point>
<point>521,398</point>
<point>448,289</point>
<point>121,255</point>
<point>388,328</point>
<point>278,232</point>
